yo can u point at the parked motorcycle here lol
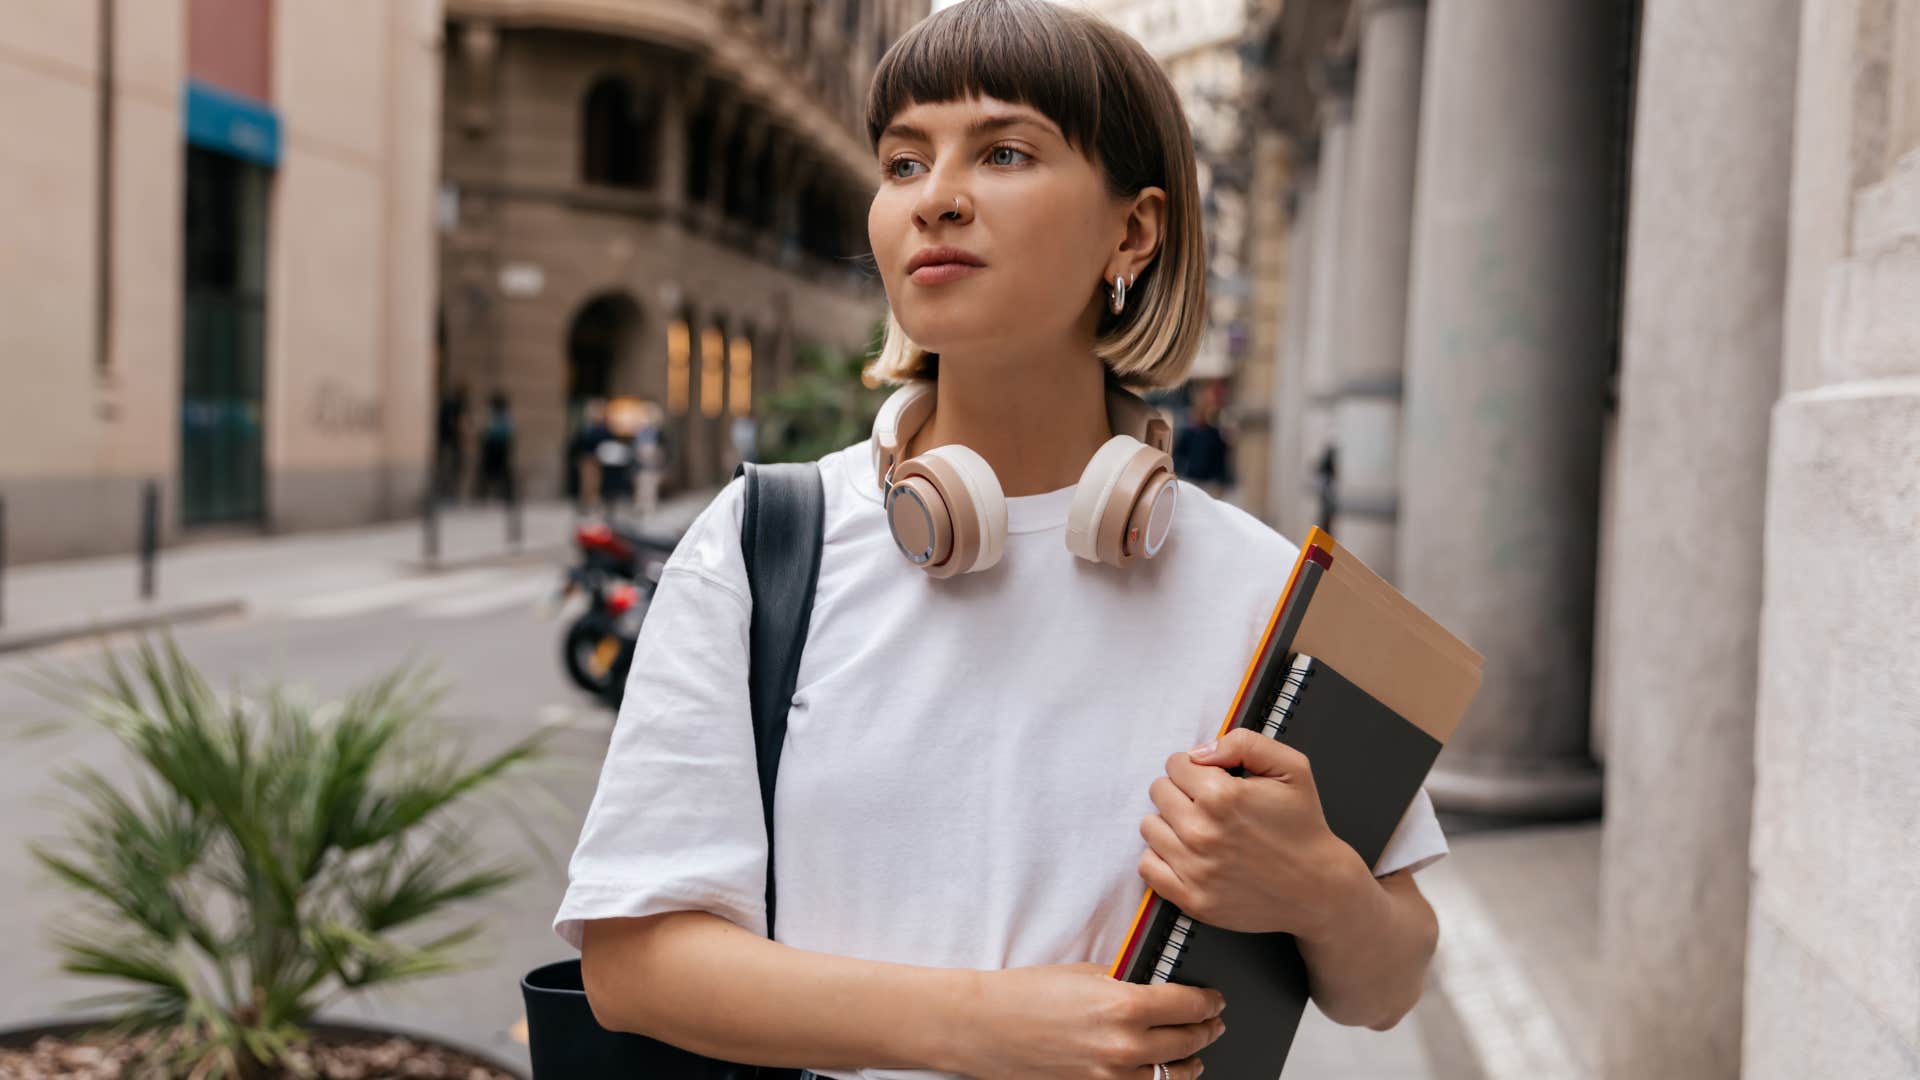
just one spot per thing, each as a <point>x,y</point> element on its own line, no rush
<point>617,572</point>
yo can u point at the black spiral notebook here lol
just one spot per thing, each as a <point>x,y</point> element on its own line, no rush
<point>1368,763</point>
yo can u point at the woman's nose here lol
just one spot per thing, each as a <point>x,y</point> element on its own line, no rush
<point>942,206</point>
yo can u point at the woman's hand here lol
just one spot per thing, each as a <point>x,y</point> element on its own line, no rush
<point>1074,1020</point>
<point>1250,853</point>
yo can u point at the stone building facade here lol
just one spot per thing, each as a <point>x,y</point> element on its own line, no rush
<point>663,199</point>
<point>217,258</point>
<point>1612,316</point>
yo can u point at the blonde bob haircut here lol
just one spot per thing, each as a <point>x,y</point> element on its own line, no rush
<point>1114,105</point>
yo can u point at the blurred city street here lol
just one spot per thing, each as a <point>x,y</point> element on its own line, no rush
<point>337,334</point>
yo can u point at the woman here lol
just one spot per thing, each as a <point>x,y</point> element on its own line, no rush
<point>973,759</point>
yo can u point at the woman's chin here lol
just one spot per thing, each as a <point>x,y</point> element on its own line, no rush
<point>943,334</point>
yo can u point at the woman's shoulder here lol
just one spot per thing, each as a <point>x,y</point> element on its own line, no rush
<point>710,548</point>
<point>1226,532</point>
<point>711,545</point>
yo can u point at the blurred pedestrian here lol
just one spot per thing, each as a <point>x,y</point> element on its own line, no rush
<point>1201,453</point>
<point>583,468</point>
<point>449,440</point>
<point>496,451</point>
<point>614,454</point>
<point>743,432</point>
<point>1327,476</point>
<point>650,458</point>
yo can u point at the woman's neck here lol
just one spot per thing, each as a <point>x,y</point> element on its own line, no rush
<point>1036,416</point>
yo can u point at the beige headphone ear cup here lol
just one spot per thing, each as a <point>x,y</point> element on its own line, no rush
<point>1123,507</point>
<point>965,526</point>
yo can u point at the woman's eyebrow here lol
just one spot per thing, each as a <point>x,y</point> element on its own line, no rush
<point>995,122</point>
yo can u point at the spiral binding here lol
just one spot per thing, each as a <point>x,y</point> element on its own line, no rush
<point>1274,726</point>
<point>1170,954</point>
<point>1282,707</point>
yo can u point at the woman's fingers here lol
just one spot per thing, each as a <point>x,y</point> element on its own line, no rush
<point>1173,1004</point>
<point>1182,1041</point>
<point>1164,839</point>
<point>1184,1069</point>
<point>1174,805</point>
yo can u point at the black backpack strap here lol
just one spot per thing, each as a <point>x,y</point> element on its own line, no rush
<point>780,537</point>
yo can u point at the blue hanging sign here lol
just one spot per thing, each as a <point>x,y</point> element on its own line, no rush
<point>231,124</point>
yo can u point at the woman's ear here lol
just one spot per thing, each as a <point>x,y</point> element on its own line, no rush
<point>1146,224</point>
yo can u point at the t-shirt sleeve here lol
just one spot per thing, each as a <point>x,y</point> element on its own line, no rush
<point>1417,841</point>
<point>675,823</point>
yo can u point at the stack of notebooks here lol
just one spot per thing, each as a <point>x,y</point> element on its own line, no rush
<point>1367,686</point>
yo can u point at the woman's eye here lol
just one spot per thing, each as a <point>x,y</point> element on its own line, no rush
<point>1007,155</point>
<point>901,168</point>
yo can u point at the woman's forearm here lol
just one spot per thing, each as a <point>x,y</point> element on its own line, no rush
<point>702,983</point>
<point>1369,970</point>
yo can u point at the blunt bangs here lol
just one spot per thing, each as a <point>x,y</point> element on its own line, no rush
<point>1022,51</point>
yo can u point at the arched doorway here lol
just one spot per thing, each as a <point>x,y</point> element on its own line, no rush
<point>599,344</point>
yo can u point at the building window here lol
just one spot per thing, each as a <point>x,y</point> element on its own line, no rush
<point>736,196</point>
<point>679,374</point>
<point>700,135</point>
<point>740,375</point>
<point>712,371</point>
<point>613,137</point>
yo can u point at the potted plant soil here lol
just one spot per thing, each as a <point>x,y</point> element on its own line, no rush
<point>272,855</point>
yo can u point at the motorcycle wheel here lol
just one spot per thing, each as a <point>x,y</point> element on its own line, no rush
<point>578,651</point>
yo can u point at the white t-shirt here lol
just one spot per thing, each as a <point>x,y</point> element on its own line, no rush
<point>967,760</point>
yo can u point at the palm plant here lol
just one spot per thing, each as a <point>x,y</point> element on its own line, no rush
<point>273,854</point>
<point>821,408</point>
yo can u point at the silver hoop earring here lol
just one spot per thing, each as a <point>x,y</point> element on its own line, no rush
<point>1117,300</point>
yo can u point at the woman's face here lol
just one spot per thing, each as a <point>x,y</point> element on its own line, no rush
<point>988,227</point>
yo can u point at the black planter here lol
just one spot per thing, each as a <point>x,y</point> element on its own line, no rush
<point>567,1043</point>
<point>25,1035</point>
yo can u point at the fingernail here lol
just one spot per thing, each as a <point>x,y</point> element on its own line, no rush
<point>1219,1028</point>
<point>1201,1069</point>
<point>1204,748</point>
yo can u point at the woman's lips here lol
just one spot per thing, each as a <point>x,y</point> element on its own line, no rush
<point>943,272</point>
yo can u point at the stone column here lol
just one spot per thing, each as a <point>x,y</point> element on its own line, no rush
<point>1289,500</point>
<point>1700,373</point>
<point>1372,313</point>
<point>1331,208</point>
<point>1508,351</point>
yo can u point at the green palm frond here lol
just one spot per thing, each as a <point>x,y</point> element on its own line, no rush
<point>275,851</point>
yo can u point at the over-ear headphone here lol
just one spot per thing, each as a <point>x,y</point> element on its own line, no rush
<point>948,514</point>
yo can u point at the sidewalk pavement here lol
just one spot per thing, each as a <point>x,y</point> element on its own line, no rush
<point>1510,994</point>
<point>43,604</point>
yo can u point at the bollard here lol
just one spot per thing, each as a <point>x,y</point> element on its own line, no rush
<point>514,523</point>
<point>3,560</point>
<point>149,535</point>
<point>430,527</point>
